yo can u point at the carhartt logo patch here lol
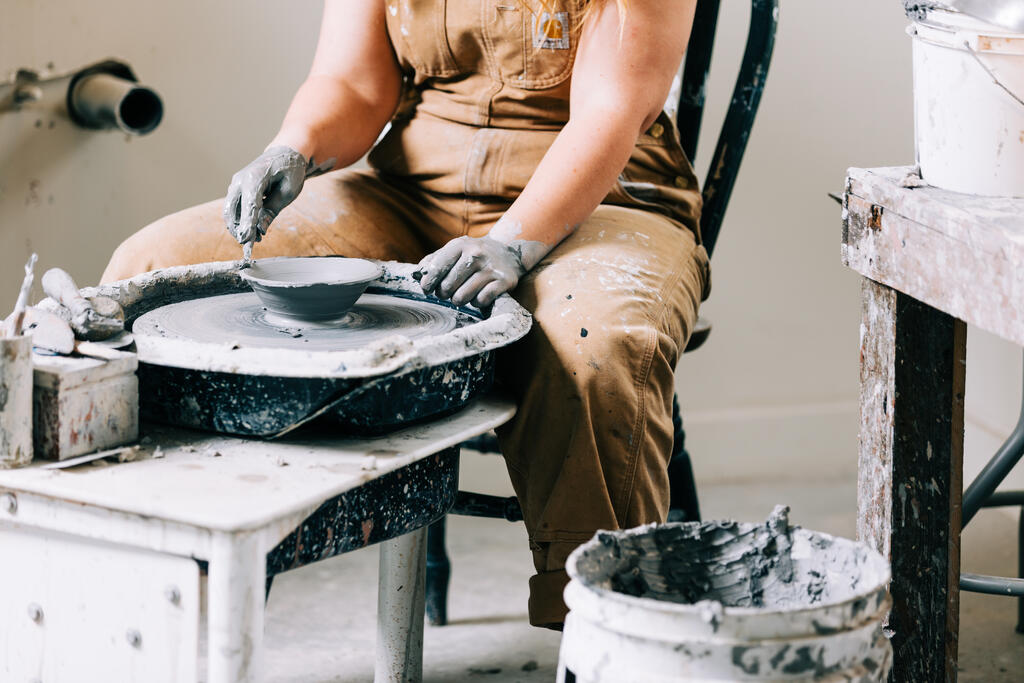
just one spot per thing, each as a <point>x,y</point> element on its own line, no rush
<point>551,30</point>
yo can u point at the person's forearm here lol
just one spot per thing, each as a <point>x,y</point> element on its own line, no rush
<point>330,120</point>
<point>575,175</point>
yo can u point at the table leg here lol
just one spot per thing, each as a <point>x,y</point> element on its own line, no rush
<point>400,604</point>
<point>235,607</point>
<point>910,482</point>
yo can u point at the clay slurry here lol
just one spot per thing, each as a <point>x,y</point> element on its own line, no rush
<point>241,319</point>
<point>734,564</point>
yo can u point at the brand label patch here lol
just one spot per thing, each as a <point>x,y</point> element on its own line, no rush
<point>551,30</point>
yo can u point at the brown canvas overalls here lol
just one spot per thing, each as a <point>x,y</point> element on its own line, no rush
<point>613,305</point>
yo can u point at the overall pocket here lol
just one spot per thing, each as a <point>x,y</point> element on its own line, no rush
<point>533,48</point>
<point>418,30</point>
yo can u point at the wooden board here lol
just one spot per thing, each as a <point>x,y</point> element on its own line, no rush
<point>911,472</point>
<point>957,253</point>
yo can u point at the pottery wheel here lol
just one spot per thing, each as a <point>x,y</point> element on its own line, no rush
<point>241,319</point>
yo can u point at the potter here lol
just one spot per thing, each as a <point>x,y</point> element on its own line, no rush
<point>524,158</point>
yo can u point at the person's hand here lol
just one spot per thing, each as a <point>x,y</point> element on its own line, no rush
<point>473,270</point>
<point>261,190</point>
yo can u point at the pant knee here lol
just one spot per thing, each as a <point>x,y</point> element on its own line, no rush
<point>194,235</point>
<point>131,257</point>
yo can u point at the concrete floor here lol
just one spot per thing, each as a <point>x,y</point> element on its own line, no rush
<point>320,623</point>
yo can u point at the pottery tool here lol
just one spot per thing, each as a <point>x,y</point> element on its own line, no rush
<point>51,334</point>
<point>247,254</point>
<point>15,321</point>
<point>92,319</point>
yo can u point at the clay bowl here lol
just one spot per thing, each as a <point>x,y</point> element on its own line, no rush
<point>310,289</point>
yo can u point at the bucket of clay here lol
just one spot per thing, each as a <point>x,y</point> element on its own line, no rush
<point>969,104</point>
<point>725,601</point>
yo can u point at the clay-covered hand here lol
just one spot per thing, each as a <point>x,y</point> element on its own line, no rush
<point>473,270</point>
<point>262,189</point>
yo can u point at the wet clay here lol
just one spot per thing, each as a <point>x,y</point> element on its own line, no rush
<point>530,252</point>
<point>730,563</point>
<point>244,320</point>
<point>506,322</point>
<point>917,9</point>
<point>310,289</point>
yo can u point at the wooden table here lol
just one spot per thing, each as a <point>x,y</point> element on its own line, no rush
<point>98,572</point>
<point>932,261</point>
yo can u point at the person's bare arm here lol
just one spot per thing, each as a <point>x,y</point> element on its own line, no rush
<point>352,88</point>
<point>620,80</point>
<point>349,96</point>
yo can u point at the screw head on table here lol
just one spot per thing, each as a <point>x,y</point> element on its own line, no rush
<point>35,613</point>
<point>8,503</point>
<point>173,594</point>
<point>134,637</point>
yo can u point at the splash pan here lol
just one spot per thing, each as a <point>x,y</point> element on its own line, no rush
<point>212,356</point>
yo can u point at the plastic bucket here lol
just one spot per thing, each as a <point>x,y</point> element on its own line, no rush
<point>968,77</point>
<point>725,601</point>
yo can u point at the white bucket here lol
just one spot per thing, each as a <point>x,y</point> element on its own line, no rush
<point>723,601</point>
<point>970,129</point>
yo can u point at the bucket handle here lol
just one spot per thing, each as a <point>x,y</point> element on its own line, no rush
<point>995,79</point>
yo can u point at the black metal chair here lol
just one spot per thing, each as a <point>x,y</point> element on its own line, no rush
<point>718,185</point>
<point>982,494</point>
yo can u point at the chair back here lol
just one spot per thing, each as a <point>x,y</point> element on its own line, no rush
<point>739,119</point>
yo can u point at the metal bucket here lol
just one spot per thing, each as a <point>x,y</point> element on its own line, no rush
<point>725,601</point>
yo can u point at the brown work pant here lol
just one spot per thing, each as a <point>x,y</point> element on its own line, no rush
<point>613,306</point>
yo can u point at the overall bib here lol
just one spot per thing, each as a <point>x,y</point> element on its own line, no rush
<point>487,91</point>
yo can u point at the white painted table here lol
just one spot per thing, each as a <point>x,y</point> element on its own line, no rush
<point>98,579</point>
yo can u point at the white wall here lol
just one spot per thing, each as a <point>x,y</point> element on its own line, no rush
<point>225,70</point>
<point>773,393</point>
<point>775,387</point>
<point>778,377</point>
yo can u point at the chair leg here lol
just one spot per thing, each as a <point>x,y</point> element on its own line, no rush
<point>1020,570</point>
<point>399,656</point>
<point>683,503</point>
<point>439,569</point>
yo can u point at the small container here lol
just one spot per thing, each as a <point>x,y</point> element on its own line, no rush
<point>968,109</point>
<point>15,401</point>
<point>81,405</point>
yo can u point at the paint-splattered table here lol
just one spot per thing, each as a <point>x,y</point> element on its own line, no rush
<point>99,579</point>
<point>932,262</point>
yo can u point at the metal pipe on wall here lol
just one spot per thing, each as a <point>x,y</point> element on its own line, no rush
<point>104,100</point>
